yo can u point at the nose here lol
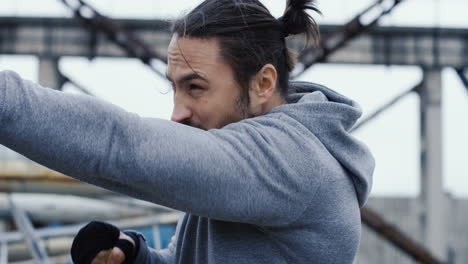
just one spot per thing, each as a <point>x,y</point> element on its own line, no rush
<point>181,112</point>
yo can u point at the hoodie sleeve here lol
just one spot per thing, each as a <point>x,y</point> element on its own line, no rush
<point>244,172</point>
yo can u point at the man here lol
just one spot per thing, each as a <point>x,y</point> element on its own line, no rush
<point>264,170</point>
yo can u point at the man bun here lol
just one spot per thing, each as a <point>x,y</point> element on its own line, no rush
<point>296,20</point>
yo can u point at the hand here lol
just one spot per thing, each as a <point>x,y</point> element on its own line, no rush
<point>100,242</point>
<point>114,255</point>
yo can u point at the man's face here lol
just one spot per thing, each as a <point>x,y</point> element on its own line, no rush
<point>206,94</point>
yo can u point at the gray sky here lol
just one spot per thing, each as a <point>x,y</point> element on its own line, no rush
<point>393,138</point>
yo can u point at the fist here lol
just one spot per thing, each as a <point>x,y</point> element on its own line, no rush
<point>114,255</point>
<point>100,242</point>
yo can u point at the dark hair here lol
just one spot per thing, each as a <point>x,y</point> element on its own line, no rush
<point>249,35</point>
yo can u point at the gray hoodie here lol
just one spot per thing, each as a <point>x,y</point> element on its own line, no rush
<point>284,187</point>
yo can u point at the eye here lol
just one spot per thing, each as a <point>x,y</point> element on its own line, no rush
<point>195,87</point>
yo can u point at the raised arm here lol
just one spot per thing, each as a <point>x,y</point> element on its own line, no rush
<point>235,174</point>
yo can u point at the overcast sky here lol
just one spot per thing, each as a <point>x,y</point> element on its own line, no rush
<point>393,137</point>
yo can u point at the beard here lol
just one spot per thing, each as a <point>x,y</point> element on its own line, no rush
<point>241,111</point>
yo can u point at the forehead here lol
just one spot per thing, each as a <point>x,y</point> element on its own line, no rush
<point>193,54</point>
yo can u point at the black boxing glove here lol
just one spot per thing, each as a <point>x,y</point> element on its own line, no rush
<point>96,237</point>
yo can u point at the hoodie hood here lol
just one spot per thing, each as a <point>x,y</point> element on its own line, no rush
<point>329,116</point>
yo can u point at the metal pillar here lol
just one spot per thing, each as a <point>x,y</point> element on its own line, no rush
<point>432,195</point>
<point>49,75</point>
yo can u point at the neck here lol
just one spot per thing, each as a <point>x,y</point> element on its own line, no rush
<point>275,101</point>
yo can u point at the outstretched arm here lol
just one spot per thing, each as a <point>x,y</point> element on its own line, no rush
<point>235,174</point>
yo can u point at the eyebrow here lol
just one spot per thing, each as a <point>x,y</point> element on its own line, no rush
<point>188,77</point>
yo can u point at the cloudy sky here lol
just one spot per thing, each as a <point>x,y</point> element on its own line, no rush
<point>393,137</point>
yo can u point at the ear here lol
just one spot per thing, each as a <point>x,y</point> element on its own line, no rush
<point>262,88</point>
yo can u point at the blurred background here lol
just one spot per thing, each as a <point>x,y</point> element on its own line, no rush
<point>405,62</point>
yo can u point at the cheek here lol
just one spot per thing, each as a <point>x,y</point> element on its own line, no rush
<point>203,111</point>
<point>211,110</point>
<point>212,114</point>
<point>218,107</point>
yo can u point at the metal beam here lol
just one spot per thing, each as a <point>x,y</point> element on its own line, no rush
<point>66,79</point>
<point>330,43</point>
<point>71,230</point>
<point>57,37</point>
<point>384,107</point>
<point>131,43</point>
<point>463,73</point>
<point>24,186</point>
<point>26,170</point>
<point>60,245</point>
<point>390,233</point>
<point>14,178</point>
<point>20,253</point>
<point>34,242</point>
